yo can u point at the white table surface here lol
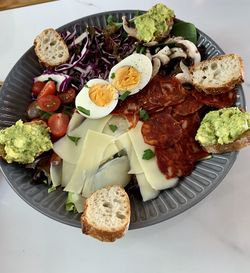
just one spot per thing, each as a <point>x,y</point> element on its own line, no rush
<point>213,236</point>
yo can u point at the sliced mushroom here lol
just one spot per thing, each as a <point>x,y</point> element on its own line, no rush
<point>185,76</point>
<point>177,52</point>
<point>130,30</point>
<point>156,66</point>
<point>163,55</point>
<point>191,50</point>
<point>150,44</point>
<point>148,54</point>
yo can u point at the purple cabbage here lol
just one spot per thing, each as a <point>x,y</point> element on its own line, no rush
<point>93,53</point>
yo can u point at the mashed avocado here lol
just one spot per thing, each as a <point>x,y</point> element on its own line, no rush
<point>22,142</point>
<point>223,126</point>
<point>154,23</point>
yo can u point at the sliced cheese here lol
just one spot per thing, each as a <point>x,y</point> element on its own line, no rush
<point>75,121</point>
<point>56,174</point>
<point>71,152</point>
<point>109,152</point>
<point>67,172</point>
<point>147,192</point>
<point>123,142</point>
<point>135,167</point>
<point>154,176</point>
<point>91,156</point>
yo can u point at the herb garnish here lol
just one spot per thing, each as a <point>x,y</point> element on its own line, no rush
<point>143,115</point>
<point>124,95</point>
<point>45,115</point>
<point>113,127</point>
<point>112,75</point>
<point>51,189</point>
<point>74,139</point>
<point>148,154</point>
<point>83,110</point>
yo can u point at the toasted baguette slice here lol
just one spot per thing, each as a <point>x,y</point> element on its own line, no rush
<point>50,48</point>
<point>238,144</point>
<point>218,75</point>
<point>106,214</point>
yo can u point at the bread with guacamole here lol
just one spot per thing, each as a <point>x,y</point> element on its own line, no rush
<point>224,130</point>
<point>24,141</point>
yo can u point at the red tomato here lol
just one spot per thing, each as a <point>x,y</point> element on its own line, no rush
<point>49,103</point>
<point>58,124</point>
<point>67,96</point>
<point>48,89</point>
<point>37,88</point>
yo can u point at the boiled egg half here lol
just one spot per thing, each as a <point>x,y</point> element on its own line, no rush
<point>131,74</point>
<point>97,99</point>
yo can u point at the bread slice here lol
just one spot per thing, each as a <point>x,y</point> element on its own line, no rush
<point>218,75</point>
<point>238,144</point>
<point>106,214</point>
<point>50,48</point>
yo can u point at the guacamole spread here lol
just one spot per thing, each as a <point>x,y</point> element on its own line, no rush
<point>223,126</point>
<point>22,142</point>
<point>153,24</point>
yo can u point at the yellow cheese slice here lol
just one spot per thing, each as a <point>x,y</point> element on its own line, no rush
<point>67,172</point>
<point>71,152</point>
<point>147,192</point>
<point>91,156</point>
<point>154,176</point>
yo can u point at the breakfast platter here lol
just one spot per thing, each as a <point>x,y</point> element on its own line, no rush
<point>15,98</point>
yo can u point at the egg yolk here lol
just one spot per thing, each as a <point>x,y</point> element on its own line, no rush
<point>102,94</point>
<point>126,78</point>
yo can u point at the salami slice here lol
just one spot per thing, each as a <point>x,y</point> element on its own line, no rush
<point>189,106</point>
<point>189,124</point>
<point>218,101</point>
<point>161,130</point>
<point>165,91</point>
<point>172,161</point>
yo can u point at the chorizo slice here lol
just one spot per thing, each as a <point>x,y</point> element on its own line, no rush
<point>189,106</point>
<point>161,130</point>
<point>218,101</point>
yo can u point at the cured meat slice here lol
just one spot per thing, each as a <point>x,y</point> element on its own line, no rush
<point>189,106</point>
<point>161,130</point>
<point>165,91</point>
<point>218,101</point>
<point>178,160</point>
<point>189,124</point>
<point>172,161</point>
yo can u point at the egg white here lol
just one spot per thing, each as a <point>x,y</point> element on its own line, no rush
<point>141,63</point>
<point>83,100</point>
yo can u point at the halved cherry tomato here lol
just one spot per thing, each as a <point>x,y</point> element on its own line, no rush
<point>37,88</point>
<point>49,103</point>
<point>58,124</point>
<point>68,95</point>
<point>48,89</point>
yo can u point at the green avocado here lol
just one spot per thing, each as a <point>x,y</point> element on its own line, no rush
<point>223,126</point>
<point>23,142</point>
<point>153,24</point>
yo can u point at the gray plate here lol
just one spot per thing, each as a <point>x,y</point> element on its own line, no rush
<point>15,97</point>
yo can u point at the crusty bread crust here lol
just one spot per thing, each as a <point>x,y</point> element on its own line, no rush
<point>238,144</point>
<point>223,88</point>
<point>94,229</point>
<point>50,48</point>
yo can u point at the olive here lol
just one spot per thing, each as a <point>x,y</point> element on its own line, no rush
<point>33,110</point>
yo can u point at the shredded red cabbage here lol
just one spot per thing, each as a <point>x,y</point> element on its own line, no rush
<point>93,53</point>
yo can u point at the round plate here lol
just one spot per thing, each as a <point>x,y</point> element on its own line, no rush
<point>15,97</point>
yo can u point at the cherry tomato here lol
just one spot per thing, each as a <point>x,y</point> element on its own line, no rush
<point>49,103</point>
<point>37,88</point>
<point>58,124</point>
<point>48,89</point>
<point>67,96</point>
